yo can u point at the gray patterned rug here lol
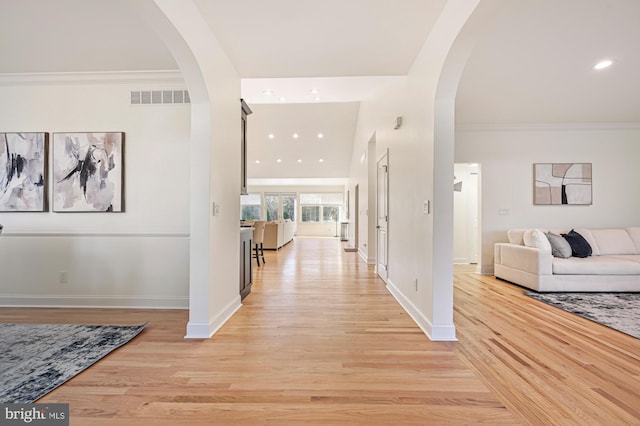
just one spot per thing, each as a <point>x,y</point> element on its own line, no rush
<point>620,311</point>
<point>37,358</point>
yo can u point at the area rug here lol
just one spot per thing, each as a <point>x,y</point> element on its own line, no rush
<point>37,358</point>
<point>620,311</point>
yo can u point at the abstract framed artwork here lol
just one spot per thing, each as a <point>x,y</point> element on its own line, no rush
<point>562,184</point>
<point>23,172</point>
<point>88,172</point>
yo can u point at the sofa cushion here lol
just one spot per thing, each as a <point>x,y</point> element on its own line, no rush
<point>536,238</point>
<point>634,234</point>
<point>597,265</point>
<point>559,246</point>
<point>613,241</point>
<point>516,236</point>
<point>579,246</point>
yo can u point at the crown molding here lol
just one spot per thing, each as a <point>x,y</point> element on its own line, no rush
<point>297,181</point>
<point>528,127</point>
<point>115,77</point>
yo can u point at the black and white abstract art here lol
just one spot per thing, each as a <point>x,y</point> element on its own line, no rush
<point>23,172</point>
<point>88,172</point>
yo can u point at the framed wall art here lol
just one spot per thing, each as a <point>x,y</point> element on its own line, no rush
<point>88,172</point>
<point>23,172</point>
<point>562,184</point>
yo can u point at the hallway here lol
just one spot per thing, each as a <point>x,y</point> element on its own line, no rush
<point>320,341</point>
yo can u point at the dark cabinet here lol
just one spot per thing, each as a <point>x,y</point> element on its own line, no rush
<point>246,267</point>
<point>245,111</point>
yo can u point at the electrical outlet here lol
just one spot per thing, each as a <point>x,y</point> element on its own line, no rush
<point>63,277</point>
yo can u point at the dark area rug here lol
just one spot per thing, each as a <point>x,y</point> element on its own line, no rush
<point>37,358</point>
<point>620,311</point>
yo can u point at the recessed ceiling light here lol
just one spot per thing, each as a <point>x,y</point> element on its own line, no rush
<point>314,91</point>
<point>295,136</point>
<point>257,161</point>
<point>299,160</point>
<point>267,92</point>
<point>316,99</point>
<point>320,136</point>
<point>271,136</point>
<point>321,160</point>
<point>279,160</point>
<point>282,99</point>
<point>606,63</point>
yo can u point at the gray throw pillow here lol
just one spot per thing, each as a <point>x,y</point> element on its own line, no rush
<point>559,246</point>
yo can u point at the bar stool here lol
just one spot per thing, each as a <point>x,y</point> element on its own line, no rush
<point>258,238</point>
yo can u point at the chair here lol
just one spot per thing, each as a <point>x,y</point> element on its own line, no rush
<point>258,239</point>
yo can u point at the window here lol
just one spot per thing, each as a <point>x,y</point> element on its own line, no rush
<point>330,213</point>
<point>323,207</point>
<point>280,206</point>
<point>311,213</point>
<point>288,206</point>
<point>272,206</point>
<point>250,207</point>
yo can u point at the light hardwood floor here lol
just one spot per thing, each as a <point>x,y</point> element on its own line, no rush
<point>321,341</point>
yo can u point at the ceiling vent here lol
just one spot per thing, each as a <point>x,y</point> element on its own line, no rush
<point>159,97</point>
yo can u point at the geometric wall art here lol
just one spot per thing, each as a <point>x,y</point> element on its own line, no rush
<point>23,172</point>
<point>562,184</point>
<point>88,172</point>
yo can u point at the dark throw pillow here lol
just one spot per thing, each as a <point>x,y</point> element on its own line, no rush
<point>579,246</point>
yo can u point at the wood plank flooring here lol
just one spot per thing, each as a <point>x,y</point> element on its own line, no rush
<point>320,341</point>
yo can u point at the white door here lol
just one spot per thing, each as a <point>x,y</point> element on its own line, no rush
<point>382,215</point>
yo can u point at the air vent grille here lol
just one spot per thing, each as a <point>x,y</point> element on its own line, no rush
<point>159,97</point>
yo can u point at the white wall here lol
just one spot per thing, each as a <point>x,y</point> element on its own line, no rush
<point>506,156</point>
<point>136,258</point>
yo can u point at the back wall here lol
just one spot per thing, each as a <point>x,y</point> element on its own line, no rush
<point>506,156</point>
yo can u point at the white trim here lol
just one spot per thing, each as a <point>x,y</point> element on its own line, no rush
<point>81,301</point>
<point>526,127</point>
<point>201,330</point>
<point>367,260</point>
<point>120,77</point>
<point>297,181</point>
<point>446,333</point>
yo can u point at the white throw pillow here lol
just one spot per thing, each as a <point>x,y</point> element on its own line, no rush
<point>536,238</point>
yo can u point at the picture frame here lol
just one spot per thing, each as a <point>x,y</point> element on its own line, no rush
<point>562,184</point>
<point>24,172</point>
<point>88,172</point>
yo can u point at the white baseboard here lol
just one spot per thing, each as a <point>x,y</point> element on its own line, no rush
<point>53,301</point>
<point>435,333</point>
<point>365,258</point>
<point>200,330</point>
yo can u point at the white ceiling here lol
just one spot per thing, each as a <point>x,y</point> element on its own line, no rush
<point>535,65</point>
<point>532,66</point>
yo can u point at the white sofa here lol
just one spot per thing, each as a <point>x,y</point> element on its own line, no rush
<point>278,233</point>
<point>614,265</point>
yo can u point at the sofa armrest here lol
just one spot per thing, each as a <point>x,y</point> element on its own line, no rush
<point>527,259</point>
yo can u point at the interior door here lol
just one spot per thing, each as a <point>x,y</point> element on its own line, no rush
<point>356,216</point>
<point>382,217</point>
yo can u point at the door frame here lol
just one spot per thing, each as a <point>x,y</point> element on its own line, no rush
<point>383,161</point>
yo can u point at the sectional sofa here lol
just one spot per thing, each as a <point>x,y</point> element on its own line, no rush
<point>612,266</point>
<point>278,233</point>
